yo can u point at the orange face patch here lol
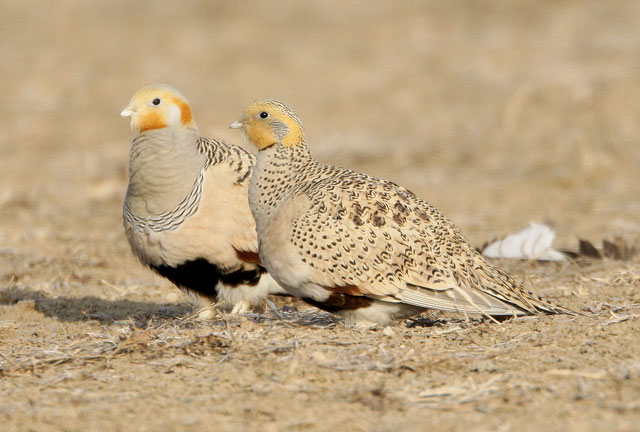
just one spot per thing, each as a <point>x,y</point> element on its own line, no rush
<point>152,120</point>
<point>262,131</point>
<point>186,119</point>
<point>260,136</point>
<point>295,136</point>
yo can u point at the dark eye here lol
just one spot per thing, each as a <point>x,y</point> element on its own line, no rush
<point>156,101</point>
<point>264,115</point>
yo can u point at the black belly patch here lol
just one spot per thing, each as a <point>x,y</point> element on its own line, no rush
<point>337,302</point>
<point>203,277</point>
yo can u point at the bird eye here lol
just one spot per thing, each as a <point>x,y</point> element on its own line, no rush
<point>156,101</point>
<point>264,115</point>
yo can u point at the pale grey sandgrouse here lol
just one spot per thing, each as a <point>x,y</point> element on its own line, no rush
<point>186,211</point>
<point>363,248</point>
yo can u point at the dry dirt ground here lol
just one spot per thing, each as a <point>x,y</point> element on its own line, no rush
<point>498,113</point>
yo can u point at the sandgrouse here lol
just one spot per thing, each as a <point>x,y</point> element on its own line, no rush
<point>363,248</point>
<point>186,211</point>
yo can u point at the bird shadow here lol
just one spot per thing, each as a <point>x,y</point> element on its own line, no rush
<point>71,309</point>
<point>91,308</point>
<point>424,321</point>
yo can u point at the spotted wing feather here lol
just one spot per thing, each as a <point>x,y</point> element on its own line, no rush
<point>384,242</point>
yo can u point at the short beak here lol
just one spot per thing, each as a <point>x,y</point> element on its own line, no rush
<point>127,112</point>
<point>238,124</point>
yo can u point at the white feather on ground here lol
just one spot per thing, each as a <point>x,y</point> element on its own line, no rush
<point>533,242</point>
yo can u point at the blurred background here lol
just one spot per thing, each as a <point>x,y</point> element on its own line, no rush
<point>497,112</point>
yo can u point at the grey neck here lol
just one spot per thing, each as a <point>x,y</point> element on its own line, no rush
<point>165,169</point>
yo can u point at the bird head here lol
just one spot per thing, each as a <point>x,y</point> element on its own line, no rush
<point>271,122</point>
<point>158,106</point>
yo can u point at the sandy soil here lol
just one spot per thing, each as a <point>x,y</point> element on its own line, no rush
<point>498,113</point>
